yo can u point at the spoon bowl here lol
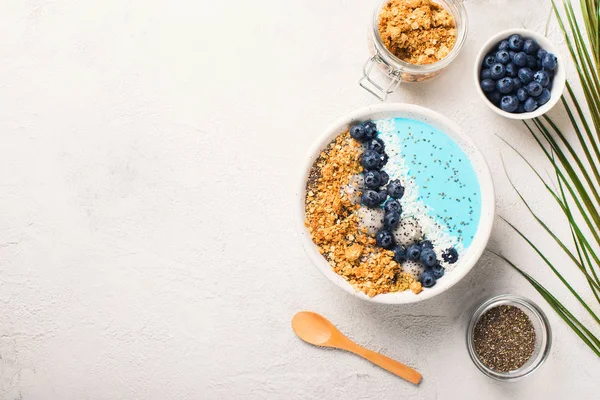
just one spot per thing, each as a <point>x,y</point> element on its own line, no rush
<point>317,330</point>
<point>313,328</point>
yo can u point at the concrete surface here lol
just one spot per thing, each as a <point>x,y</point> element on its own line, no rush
<point>149,152</point>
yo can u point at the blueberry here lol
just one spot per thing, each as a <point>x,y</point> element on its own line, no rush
<point>534,89</point>
<point>428,258</point>
<point>520,59</point>
<point>517,83</point>
<point>511,70</point>
<point>376,144</point>
<point>531,62</point>
<point>372,179</point>
<point>515,42</point>
<point>544,97</point>
<point>370,159</point>
<point>530,46</point>
<point>427,279</point>
<point>502,57</point>
<point>383,159</point>
<point>530,104</point>
<point>426,244</point>
<point>505,85</point>
<point>488,85</point>
<point>503,45</point>
<point>520,109</point>
<point>357,132</point>
<point>370,198</point>
<point>391,219</point>
<point>509,103</point>
<point>542,77</point>
<point>540,54</point>
<point>549,62</point>
<point>399,254</point>
<point>384,178</point>
<point>395,189</point>
<point>413,252</point>
<point>525,75</point>
<point>370,129</point>
<point>497,71</point>
<point>522,94</point>
<point>393,205</point>
<point>438,271</point>
<point>489,61</point>
<point>384,239</point>
<point>485,73</point>
<point>512,54</point>
<point>450,255</point>
<point>382,196</point>
<point>494,97</point>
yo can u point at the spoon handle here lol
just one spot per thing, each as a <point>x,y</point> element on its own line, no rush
<point>387,363</point>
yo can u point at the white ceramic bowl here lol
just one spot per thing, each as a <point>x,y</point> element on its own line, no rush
<point>558,85</point>
<point>466,261</point>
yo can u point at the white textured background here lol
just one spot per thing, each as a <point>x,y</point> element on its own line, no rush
<point>148,153</point>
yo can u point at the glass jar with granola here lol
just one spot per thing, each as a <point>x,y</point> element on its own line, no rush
<point>412,41</point>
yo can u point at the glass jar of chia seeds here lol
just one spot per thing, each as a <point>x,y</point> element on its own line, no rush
<point>383,72</point>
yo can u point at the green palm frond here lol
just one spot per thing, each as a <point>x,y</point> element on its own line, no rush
<point>575,159</point>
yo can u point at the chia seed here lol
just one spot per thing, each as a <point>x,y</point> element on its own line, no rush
<point>504,338</point>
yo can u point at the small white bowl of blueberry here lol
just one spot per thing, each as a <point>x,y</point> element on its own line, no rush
<point>519,75</point>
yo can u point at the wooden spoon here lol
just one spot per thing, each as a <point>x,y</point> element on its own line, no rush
<point>317,330</point>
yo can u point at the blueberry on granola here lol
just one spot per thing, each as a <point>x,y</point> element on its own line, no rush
<point>370,198</point>
<point>395,189</point>
<point>382,196</point>
<point>384,239</point>
<point>399,254</point>
<point>391,219</point>
<point>426,244</point>
<point>371,159</point>
<point>383,159</point>
<point>413,252</point>
<point>357,132</point>
<point>428,258</point>
<point>385,178</point>
<point>376,144</point>
<point>427,278</point>
<point>370,129</point>
<point>372,179</point>
<point>450,255</point>
<point>393,205</point>
<point>438,271</point>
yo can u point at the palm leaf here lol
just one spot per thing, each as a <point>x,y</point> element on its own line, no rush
<point>578,178</point>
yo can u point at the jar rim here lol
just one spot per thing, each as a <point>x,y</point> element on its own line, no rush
<point>545,332</point>
<point>459,13</point>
